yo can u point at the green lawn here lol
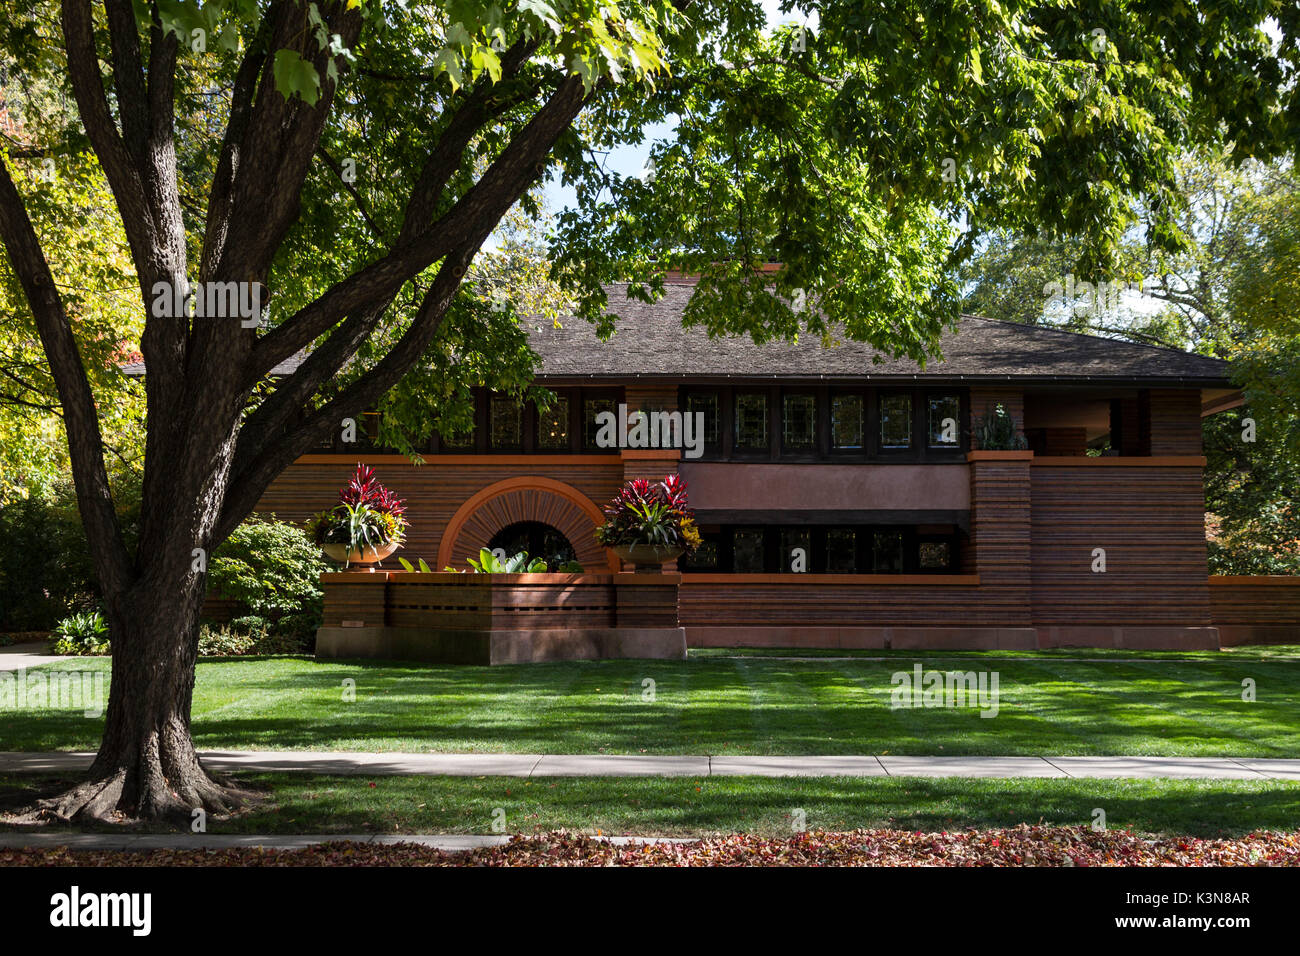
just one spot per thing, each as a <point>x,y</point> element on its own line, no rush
<point>683,806</point>
<point>726,703</point>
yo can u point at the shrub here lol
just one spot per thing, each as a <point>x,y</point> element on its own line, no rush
<point>81,635</point>
<point>249,634</point>
<point>222,640</point>
<point>45,568</point>
<point>272,569</point>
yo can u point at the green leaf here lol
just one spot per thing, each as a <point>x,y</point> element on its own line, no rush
<point>294,76</point>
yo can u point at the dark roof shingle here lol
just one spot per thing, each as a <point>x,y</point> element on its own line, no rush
<point>650,342</point>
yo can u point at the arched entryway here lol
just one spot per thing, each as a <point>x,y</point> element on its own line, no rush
<point>537,540</point>
<point>526,499</point>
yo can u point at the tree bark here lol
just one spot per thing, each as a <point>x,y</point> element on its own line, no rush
<point>147,767</point>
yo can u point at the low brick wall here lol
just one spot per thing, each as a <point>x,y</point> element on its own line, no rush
<point>499,618</point>
<point>1256,609</point>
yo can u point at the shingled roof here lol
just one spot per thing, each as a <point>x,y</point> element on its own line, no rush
<point>650,343</point>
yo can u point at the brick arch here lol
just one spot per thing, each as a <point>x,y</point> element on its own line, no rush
<point>512,500</point>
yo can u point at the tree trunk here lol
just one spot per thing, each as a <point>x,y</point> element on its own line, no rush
<point>147,768</point>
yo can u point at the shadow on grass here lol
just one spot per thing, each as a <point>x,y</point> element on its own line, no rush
<point>715,706</point>
<point>309,803</point>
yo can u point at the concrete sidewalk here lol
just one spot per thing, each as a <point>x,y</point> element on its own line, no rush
<point>18,657</point>
<point>674,765</point>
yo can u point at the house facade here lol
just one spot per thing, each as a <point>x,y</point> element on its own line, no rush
<point>843,497</point>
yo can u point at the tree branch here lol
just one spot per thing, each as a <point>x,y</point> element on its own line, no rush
<point>509,175</point>
<point>362,206</point>
<point>257,463</point>
<point>85,442</point>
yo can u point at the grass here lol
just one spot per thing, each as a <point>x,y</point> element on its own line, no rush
<point>683,806</point>
<point>727,703</point>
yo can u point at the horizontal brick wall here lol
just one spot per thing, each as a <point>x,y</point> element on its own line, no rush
<point>1149,520</point>
<point>1256,610</point>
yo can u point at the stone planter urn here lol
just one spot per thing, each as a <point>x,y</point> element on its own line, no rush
<point>361,559</point>
<point>648,558</point>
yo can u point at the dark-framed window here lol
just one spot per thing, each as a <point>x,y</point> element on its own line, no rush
<point>848,422</point>
<point>943,420</point>
<point>592,407</point>
<point>709,404</point>
<point>895,417</point>
<point>749,550</point>
<point>934,554</point>
<point>841,550</point>
<point>776,422</point>
<point>708,556</point>
<point>554,425</point>
<point>827,549</point>
<point>753,431</point>
<point>887,551</point>
<point>796,550</point>
<point>799,423</point>
<point>506,423</point>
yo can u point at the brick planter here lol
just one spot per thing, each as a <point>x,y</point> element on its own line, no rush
<point>500,618</point>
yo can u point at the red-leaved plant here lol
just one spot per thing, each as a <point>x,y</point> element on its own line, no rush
<point>368,515</point>
<point>651,513</point>
<point>364,488</point>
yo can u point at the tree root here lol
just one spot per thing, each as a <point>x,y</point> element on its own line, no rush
<point>126,798</point>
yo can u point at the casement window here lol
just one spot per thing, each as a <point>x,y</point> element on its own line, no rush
<point>708,404</point>
<point>707,556</point>
<point>506,422</point>
<point>749,552</point>
<point>895,420</point>
<point>795,550</point>
<point>798,423</point>
<point>887,552</point>
<point>935,555</point>
<point>752,427</point>
<point>553,426</point>
<point>463,442</point>
<point>943,420</point>
<point>848,418</point>
<point>802,422</point>
<point>826,549</point>
<point>841,551</point>
<point>591,408</point>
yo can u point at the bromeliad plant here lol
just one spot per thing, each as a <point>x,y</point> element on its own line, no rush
<point>368,515</point>
<point>650,513</point>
